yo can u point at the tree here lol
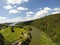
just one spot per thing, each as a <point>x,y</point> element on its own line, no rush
<point>1,39</point>
<point>12,29</point>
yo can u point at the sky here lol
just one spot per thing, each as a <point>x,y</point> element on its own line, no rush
<point>25,10</point>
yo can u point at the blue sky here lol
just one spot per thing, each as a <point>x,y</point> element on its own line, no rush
<point>24,10</point>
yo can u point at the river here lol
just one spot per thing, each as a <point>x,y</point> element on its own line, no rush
<point>35,37</point>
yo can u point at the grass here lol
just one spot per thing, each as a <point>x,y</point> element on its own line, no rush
<point>45,39</point>
<point>11,36</point>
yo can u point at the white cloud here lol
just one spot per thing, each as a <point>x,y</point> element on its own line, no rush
<point>39,14</point>
<point>56,9</point>
<point>47,9</point>
<point>13,11</point>
<point>16,1</point>
<point>26,0</point>
<point>11,6</point>
<point>7,20</point>
<point>55,12</point>
<point>18,10</point>
<point>2,18</point>
<point>16,19</point>
<point>21,8</point>
<point>29,13</point>
<point>8,7</point>
<point>40,8</point>
<point>15,6</point>
<point>43,12</point>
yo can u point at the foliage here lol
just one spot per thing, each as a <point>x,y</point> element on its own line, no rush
<point>11,37</point>
<point>1,39</point>
<point>45,39</point>
<point>50,25</point>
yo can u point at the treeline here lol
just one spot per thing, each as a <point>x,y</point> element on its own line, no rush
<point>25,23</point>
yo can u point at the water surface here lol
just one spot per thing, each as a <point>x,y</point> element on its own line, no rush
<point>35,37</point>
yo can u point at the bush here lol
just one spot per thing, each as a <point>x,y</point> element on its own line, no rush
<point>12,29</point>
<point>1,39</point>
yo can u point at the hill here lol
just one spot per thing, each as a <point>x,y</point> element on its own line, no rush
<point>50,25</point>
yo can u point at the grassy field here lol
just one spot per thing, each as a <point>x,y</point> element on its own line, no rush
<point>45,39</point>
<point>11,36</point>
